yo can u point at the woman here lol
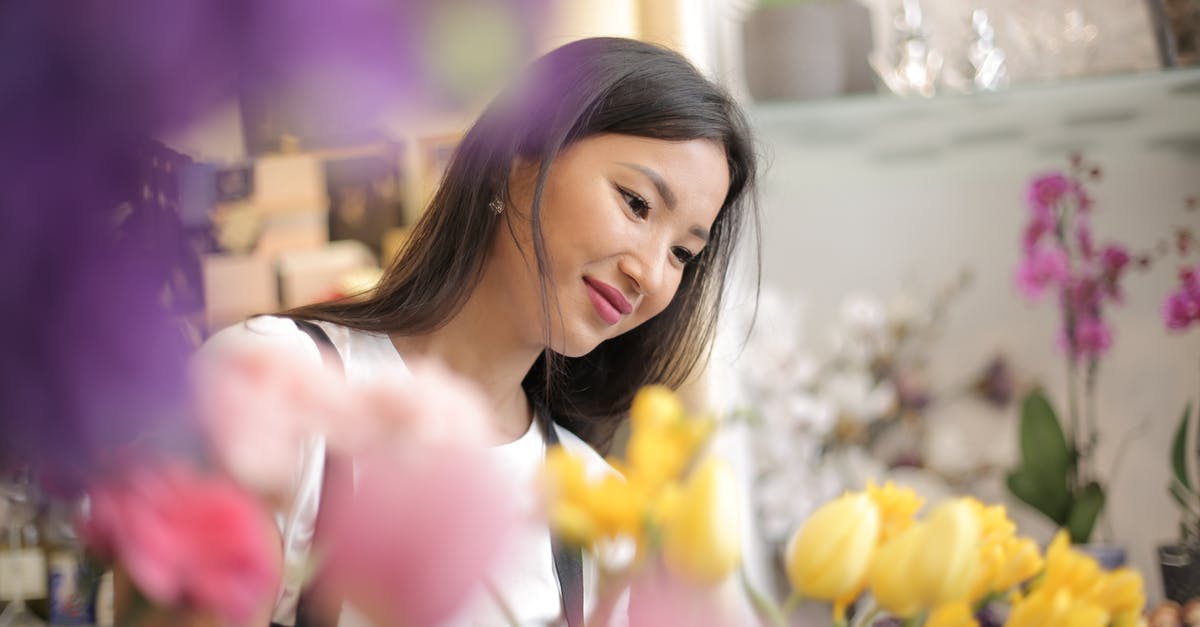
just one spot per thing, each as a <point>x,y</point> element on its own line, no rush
<point>575,251</point>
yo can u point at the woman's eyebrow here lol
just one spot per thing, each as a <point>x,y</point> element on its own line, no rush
<point>664,190</point>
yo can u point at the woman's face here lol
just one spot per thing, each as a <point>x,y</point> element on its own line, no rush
<point>622,216</point>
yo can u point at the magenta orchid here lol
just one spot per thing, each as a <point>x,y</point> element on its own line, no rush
<point>1086,278</point>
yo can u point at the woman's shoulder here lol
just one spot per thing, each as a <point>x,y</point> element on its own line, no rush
<point>271,333</point>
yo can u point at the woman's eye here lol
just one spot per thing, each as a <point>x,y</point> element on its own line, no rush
<point>684,255</point>
<point>637,204</point>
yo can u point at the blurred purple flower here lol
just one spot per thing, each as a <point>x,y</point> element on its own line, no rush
<point>1041,222</point>
<point>1041,268</point>
<point>1092,338</point>
<point>94,360</point>
<point>996,385</point>
<point>1182,307</point>
<point>1047,190</point>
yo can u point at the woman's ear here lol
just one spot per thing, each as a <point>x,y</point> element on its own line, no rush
<point>522,178</point>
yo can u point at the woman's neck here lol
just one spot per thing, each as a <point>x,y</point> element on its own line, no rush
<point>479,344</point>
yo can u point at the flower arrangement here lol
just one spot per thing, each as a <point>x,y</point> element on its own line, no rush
<point>678,510</point>
<point>196,538</point>
<point>961,565</point>
<point>1056,474</point>
<point>825,423</point>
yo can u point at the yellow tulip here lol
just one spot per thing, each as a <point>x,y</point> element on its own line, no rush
<point>1055,607</point>
<point>957,614</point>
<point>702,532</point>
<point>897,507</point>
<point>663,440</point>
<point>1021,562</point>
<point>828,557</point>
<point>947,567</point>
<point>932,563</point>
<point>1122,593</point>
<point>584,512</point>
<point>891,577</point>
<point>655,406</point>
<point>1070,570</point>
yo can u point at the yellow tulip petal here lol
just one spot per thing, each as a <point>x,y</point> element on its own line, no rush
<point>702,536</point>
<point>829,555</point>
<point>956,614</point>
<point>891,578</point>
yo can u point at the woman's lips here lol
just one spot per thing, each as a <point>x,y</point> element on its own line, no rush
<point>608,301</point>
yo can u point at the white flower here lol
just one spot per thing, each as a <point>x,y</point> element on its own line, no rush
<point>862,331</point>
<point>855,395</point>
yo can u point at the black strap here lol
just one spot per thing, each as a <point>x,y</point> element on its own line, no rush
<point>310,612</point>
<point>568,559</point>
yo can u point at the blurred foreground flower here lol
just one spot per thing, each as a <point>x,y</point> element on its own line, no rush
<point>417,536</point>
<point>188,540</point>
<point>418,444</point>
<point>668,503</point>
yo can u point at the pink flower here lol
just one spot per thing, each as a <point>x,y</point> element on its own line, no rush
<point>1041,223</point>
<point>418,535</point>
<point>1047,190</point>
<point>410,413</point>
<point>259,406</point>
<point>1083,294</point>
<point>1041,268</point>
<point>1093,338</point>
<point>657,598</point>
<point>1114,258</point>
<point>188,540</point>
<point>1182,307</point>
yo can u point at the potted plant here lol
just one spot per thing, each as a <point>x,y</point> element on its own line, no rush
<point>1180,561</point>
<point>1057,473</point>
<point>803,49</point>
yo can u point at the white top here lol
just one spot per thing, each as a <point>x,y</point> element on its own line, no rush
<point>526,579</point>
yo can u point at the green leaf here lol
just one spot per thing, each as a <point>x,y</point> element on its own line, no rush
<point>1043,445</point>
<point>1187,499</point>
<point>1179,448</point>
<point>1046,493</point>
<point>1084,512</point>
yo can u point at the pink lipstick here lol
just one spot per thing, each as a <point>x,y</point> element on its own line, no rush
<point>609,302</point>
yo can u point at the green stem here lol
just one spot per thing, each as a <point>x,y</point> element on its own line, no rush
<point>868,617</point>
<point>766,609</point>
<point>791,603</point>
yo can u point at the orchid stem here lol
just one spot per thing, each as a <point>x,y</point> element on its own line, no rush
<point>763,606</point>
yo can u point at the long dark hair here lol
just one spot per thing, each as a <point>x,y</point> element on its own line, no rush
<point>587,87</point>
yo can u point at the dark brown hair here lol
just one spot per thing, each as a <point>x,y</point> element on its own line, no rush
<point>585,88</point>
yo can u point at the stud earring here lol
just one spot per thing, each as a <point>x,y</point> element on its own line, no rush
<point>496,206</point>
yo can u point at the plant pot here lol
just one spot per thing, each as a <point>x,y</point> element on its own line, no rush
<point>794,52</point>
<point>1180,566</point>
